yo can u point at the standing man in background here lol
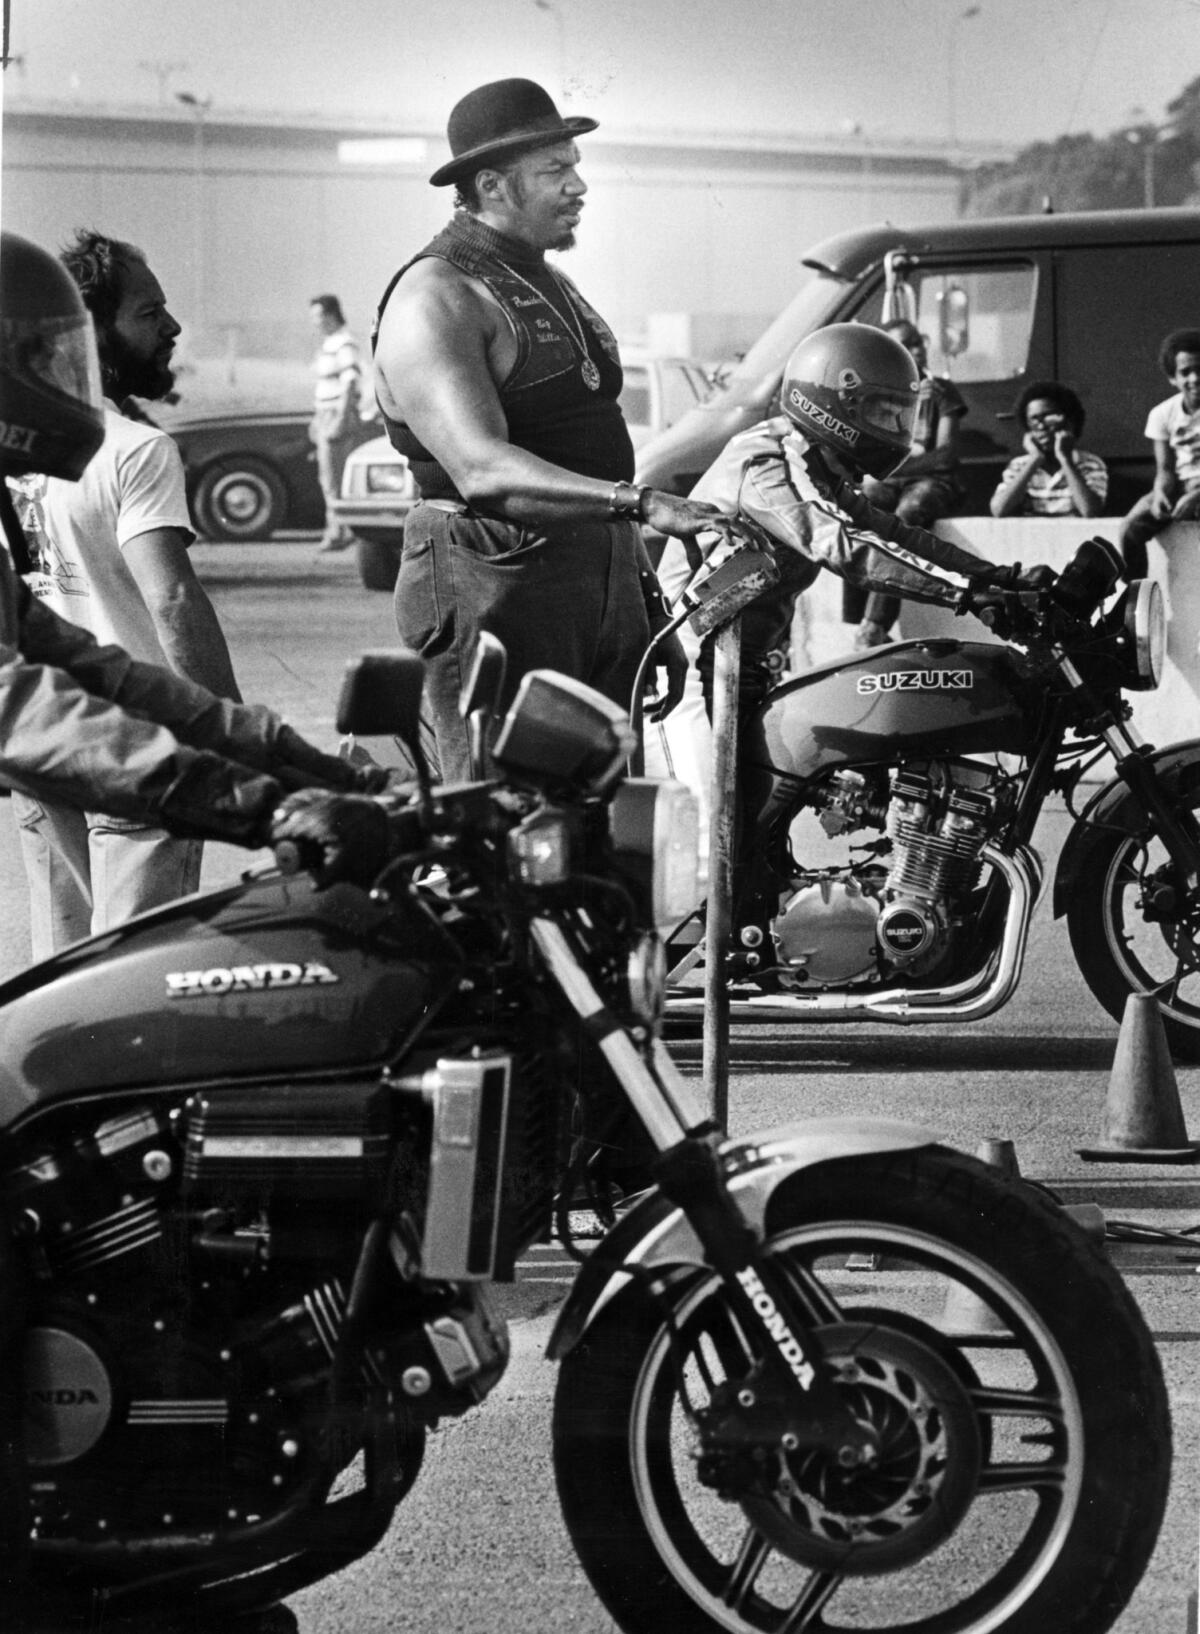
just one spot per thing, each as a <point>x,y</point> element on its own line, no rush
<point>338,369</point>
<point>499,383</point>
<point>110,553</point>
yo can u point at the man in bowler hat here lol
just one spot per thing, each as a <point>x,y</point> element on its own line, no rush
<point>499,383</point>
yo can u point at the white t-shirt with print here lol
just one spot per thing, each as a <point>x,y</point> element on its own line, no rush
<point>1171,423</point>
<point>78,531</point>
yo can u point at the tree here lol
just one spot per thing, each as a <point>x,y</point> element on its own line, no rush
<point>1133,166</point>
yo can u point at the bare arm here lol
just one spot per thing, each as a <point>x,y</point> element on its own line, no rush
<point>1009,496</point>
<point>184,619</point>
<point>1085,499</point>
<point>442,346</point>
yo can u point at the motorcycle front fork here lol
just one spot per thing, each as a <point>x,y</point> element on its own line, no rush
<point>799,1404</point>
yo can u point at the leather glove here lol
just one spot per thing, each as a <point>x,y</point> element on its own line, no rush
<point>335,836</point>
<point>1015,577</point>
<point>299,764</point>
<point>209,798</point>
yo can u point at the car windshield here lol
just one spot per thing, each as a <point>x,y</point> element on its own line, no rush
<point>758,374</point>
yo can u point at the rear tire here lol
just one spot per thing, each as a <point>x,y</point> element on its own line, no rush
<point>239,500</point>
<point>1057,1499</point>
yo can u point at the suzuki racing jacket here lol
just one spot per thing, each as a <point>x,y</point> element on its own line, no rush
<point>777,478</point>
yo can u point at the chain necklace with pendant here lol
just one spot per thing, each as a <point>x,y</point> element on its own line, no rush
<point>588,369</point>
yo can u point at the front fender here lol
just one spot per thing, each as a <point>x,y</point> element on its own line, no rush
<point>1114,805</point>
<point>657,1235</point>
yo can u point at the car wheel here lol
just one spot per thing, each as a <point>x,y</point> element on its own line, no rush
<point>378,564</point>
<point>239,500</point>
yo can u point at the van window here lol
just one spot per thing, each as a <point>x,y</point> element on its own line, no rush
<point>977,321</point>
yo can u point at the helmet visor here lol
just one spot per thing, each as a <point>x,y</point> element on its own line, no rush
<point>887,413</point>
<point>59,353</point>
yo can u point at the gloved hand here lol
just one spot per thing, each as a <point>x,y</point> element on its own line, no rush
<point>299,764</point>
<point>335,836</point>
<point>1015,577</point>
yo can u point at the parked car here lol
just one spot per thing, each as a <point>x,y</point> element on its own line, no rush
<point>249,474</point>
<point>378,490</point>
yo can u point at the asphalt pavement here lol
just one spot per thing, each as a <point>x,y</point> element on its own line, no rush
<point>479,1547</point>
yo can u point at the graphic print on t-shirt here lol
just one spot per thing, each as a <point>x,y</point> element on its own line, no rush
<point>50,569</point>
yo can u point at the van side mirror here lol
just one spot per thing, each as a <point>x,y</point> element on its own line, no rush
<point>381,696</point>
<point>899,297</point>
<point>954,320</point>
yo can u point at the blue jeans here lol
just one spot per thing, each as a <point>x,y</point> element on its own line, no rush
<point>570,602</point>
<point>87,873</point>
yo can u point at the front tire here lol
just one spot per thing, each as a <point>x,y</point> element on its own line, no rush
<point>1120,952</point>
<point>1052,1495</point>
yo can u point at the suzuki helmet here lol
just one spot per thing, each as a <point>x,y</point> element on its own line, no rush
<point>51,405</point>
<point>853,390</point>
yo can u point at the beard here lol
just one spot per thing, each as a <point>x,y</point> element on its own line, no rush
<point>566,242</point>
<point>127,373</point>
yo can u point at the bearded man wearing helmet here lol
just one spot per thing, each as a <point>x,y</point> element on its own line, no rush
<point>848,395</point>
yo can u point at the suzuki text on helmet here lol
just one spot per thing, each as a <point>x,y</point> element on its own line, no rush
<point>852,390</point>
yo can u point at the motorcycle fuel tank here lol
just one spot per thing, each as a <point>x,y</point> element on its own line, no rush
<point>264,979</point>
<point>933,697</point>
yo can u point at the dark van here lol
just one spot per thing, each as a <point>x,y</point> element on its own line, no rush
<point>1085,299</point>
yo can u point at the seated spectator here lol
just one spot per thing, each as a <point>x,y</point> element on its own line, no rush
<point>1053,476</point>
<point>1174,428</point>
<point>924,486</point>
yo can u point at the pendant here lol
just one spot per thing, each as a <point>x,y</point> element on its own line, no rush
<point>591,374</point>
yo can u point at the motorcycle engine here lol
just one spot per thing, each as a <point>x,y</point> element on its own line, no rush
<point>900,910</point>
<point>189,1269</point>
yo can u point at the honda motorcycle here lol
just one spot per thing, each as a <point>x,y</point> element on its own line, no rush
<point>264,1153</point>
<point>887,803</point>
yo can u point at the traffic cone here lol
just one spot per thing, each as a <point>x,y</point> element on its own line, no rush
<point>1143,1118</point>
<point>965,1315</point>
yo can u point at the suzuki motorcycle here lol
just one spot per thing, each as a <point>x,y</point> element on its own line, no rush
<point>888,802</point>
<point>264,1152</point>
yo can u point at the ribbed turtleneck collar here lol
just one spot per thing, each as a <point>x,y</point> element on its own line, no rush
<point>479,236</point>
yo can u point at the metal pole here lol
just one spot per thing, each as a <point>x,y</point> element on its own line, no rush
<point>727,663</point>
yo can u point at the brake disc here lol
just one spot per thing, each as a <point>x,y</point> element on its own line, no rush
<point>886,1513</point>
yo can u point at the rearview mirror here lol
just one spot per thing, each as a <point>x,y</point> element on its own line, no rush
<point>481,697</point>
<point>954,320</point>
<point>560,731</point>
<point>381,695</point>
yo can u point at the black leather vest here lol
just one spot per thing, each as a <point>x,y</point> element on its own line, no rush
<point>550,409</point>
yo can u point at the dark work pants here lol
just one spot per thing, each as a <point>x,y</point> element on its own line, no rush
<point>570,602</point>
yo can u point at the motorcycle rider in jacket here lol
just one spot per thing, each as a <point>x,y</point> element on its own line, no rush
<point>89,725</point>
<point>849,395</point>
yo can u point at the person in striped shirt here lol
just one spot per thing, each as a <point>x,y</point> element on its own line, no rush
<point>338,384</point>
<point>1052,476</point>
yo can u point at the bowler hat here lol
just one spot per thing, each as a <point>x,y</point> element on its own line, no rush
<point>497,118</point>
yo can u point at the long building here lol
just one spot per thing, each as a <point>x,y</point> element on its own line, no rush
<point>689,243</point>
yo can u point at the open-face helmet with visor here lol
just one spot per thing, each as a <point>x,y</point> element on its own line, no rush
<point>853,390</point>
<point>51,403</point>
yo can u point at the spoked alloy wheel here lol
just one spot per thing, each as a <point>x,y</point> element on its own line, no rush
<point>1017,1397</point>
<point>1120,952</point>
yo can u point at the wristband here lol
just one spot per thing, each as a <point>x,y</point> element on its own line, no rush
<point>626,501</point>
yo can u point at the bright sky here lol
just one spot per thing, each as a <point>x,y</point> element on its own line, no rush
<point>996,70</point>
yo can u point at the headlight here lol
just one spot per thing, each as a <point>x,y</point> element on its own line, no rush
<point>655,829</point>
<point>390,478</point>
<point>540,850</point>
<point>1146,628</point>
